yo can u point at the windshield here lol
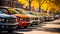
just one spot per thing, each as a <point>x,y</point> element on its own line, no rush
<point>21,11</point>
<point>13,11</point>
<point>36,13</point>
<point>24,12</point>
<point>30,12</point>
<point>1,12</point>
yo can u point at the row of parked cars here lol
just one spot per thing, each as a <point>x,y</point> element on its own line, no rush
<point>12,18</point>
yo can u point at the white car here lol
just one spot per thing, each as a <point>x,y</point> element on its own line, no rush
<point>33,19</point>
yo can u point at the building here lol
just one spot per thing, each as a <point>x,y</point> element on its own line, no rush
<point>10,3</point>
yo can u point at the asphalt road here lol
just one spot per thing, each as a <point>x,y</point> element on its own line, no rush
<point>49,27</point>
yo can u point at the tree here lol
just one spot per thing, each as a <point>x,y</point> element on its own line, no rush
<point>29,1</point>
<point>40,2</point>
<point>57,2</point>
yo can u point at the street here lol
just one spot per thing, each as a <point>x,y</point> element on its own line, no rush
<point>29,16</point>
<point>51,27</point>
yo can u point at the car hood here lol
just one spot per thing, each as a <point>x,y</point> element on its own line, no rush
<point>21,15</point>
<point>6,16</point>
<point>29,15</point>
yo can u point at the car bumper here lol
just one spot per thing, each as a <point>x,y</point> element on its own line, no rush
<point>49,19</point>
<point>23,24</point>
<point>35,22</point>
<point>8,26</point>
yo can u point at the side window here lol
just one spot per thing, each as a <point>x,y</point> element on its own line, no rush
<point>19,11</point>
<point>0,12</point>
<point>12,11</point>
<point>3,10</point>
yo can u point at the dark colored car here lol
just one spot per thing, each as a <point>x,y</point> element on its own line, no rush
<point>7,22</point>
<point>23,20</point>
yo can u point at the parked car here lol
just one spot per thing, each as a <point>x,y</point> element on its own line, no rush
<point>48,17</point>
<point>23,20</point>
<point>56,16</point>
<point>34,19</point>
<point>38,14</point>
<point>7,22</point>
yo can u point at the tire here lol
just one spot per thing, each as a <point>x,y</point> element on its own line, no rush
<point>37,23</point>
<point>31,25</point>
<point>25,26</point>
<point>18,27</point>
<point>41,21</point>
<point>10,31</point>
<point>0,31</point>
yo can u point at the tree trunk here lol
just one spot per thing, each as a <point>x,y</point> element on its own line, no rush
<point>39,7</point>
<point>0,3</point>
<point>29,5</point>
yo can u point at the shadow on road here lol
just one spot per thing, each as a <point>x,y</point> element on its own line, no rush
<point>18,31</point>
<point>53,30</point>
<point>11,33</point>
<point>25,29</point>
<point>30,28</point>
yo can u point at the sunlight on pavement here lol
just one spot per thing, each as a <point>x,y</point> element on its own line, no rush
<point>40,32</point>
<point>51,26</point>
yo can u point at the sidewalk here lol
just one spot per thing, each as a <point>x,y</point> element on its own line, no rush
<point>40,32</point>
<point>53,24</point>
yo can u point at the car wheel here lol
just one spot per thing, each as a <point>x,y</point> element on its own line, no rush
<point>18,27</point>
<point>31,25</point>
<point>9,31</point>
<point>38,23</point>
<point>25,26</point>
<point>0,31</point>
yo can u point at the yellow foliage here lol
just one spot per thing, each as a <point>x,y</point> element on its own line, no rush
<point>23,2</point>
<point>34,3</point>
<point>50,6</point>
<point>46,5</point>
